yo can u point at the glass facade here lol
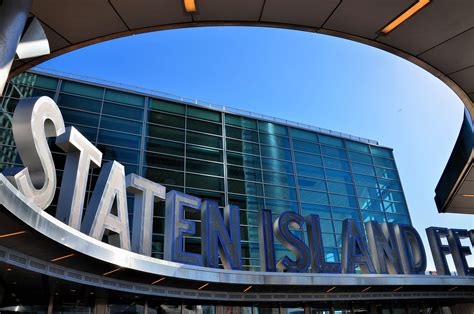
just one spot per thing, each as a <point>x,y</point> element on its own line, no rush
<point>229,158</point>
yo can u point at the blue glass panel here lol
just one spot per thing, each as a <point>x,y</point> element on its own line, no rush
<point>314,197</point>
<point>82,89</point>
<point>372,216</point>
<point>397,208</point>
<point>80,103</point>
<point>279,192</point>
<point>329,140</point>
<point>274,140</point>
<point>305,135</point>
<point>245,187</point>
<point>241,134</point>
<point>205,127</point>
<point>340,188</point>
<point>74,117</point>
<point>366,159</point>
<point>333,152</point>
<point>272,128</point>
<point>340,176</point>
<point>275,153</point>
<point>121,125</point>
<point>390,185</point>
<point>89,133</point>
<point>243,160</point>
<point>386,173</point>
<point>124,97</point>
<point>278,178</point>
<point>336,164</point>
<point>365,180</point>
<point>381,152</point>
<point>367,192</point>
<point>342,200</point>
<point>326,226</point>
<point>163,161</point>
<point>306,147</point>
<point>204,114</point>
<point>204,182</point>
<point>119,139</point>
<point>314,160</point>
<point>384,162</point>
<point>205,140</point>
<point>340,213</point>
<point>247,202</point>
<point>330,255</point>
<point>393,196</point>
<point>399,219</point>
<point>166,133</point>
<point>312,184</point>
<point>279,206</point>
<point>322,211</point>
<point>370,204</point>
<point>357,147</point>
<point>119,154</point>
<point>363,169</point>
<point>122,111</point>
<point>329,240</point>
<point>310,171</point>
<point>277,165</point>
<point>248,174</point>
<point>166,119</point>
<point>205,153</point>
<point>240,121</point>
<point>204,167</point>
<point>163,105</point>
<point>243,147</point>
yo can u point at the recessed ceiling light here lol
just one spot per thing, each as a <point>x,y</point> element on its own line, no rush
<point>190,6</point>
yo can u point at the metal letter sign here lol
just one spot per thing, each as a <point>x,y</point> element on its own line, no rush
<point>386,249</point>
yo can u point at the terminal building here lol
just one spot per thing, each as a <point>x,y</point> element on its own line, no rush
<point>222,154</point>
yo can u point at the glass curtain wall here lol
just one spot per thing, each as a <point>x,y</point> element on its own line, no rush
<point>228,158</point>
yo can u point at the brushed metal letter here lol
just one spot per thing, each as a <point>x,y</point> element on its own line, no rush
<point>438,249</point>
<point>411,249</point>
<point>34,120</point>
<point>318,260</point>
<point>266,241</point>
<point>146,192</point>
<point>220,236</point>
<point>81,155</point>
<point>383,248</point>
<point>460,251</point>
<point>281,227</point>
<point>102,216</point>
<point>176,227</point>
<point>354,249</point>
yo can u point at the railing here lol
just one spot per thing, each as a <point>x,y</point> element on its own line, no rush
<point>201,103</point>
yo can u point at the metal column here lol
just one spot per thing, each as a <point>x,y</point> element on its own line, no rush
<point>13,16</point>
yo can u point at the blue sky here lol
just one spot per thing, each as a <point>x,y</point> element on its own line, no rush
<point>304,77</point>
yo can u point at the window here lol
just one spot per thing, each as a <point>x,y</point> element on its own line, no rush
<point>314,160</point>
<point>312,184</point>
<point>241,134</point>
<point>341,213</point>
<point>77,117</point>
<point>204,182</point>
<point>314,197</point>
<point>329,140</point>
<point>160,146</point>
<point>247,174</point>
<point>277,165</point>
<point>340,176</point>
<point>366,159</point>
<point>204,167</point>
<point>278,178</point>
<point>310,171</point>
<point>304,135</point>
<point>306,147</point>
<point>240,121</point>
<point>122,111</point>
<point>340,188</point>
<point>342,200</point>
<point>390,185</point>
<point>280,192</point>
<point>275,153</point>
<point>370,204</point>
<point>121,125</point>
<point>323,211</point>
<point>81,103</point>
<point>273,140</point>
<point>397,208</point>
<point>363,169</point>
<point>333,152</point>
<point>243,160</point>
<point>280,206</point>
<point>164,161</point>
<point>365,180</point>
<point>82,89</point>
<point>381,152</point>
<point>383,162</point>
<point>119,139</point>
<point>371,216</point>
<point>367,192</point>
<point>124,97</point>
<point>204,114</point>
<point>165,119</point>
<point>272,128</point>
<point>386,173</point>
<point>243,147</point>
<point>336,164</point>
<point>202,139</point>
<point>243,187</point>
<point>163,105</point>
<point>119,154</point>
<point>204,153</point>
<point>205,127</point>
<point>357,147</point>
<point>165,133</point>
<point>164,176</point>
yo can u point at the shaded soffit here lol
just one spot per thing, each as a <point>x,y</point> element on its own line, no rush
<point>439,38</point>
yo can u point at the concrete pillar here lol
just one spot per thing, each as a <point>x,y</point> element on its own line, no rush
<point>100,305</point>
<point>13,16</point>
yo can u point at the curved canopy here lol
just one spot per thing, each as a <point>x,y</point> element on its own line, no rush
<point>439,37</point>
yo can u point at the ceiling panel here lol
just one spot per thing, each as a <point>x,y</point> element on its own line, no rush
<point>465,79</point>
<point>230,10</point>
<point>145,13</point>
<point>79,20</point>
<point>301,12</point>
<point>55,40</point>
<point>441,55</point>
<point>365,17</point>
<point>434,24</point>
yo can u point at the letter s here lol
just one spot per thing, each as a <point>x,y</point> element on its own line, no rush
<point>34,120</point>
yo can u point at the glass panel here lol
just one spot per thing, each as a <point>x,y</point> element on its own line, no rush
<point>371,216</point>
<point>80,103</point>
<point>273,140</point>
<point>336,164</point>
<point>306,147</point>
<point>340,213</point>
<point>119,139</point>
<point>310,171</point>
<point>278,178</point>
<point>314,197</point>
<point>36,80</point>
<point>247,174</point>
<point>342,200</point>
<point>120,125</point>
<point>120,154</point>
<point>340,176</point>
<point>206,140</point>
<point>240,121</point>
<point>164,105</point>
<point>125,98</point>
<point>275,153</point>
<point>204,114</point>
<point>279,206</point>
<point>386,173</point>
<point>245,188</point>
<point>272,128</point>
<point>333,152</point>
<point>314,160</point>
<point>393,196</point>
<point>248,202</point>
<point>321,210</point>
<point>277,165</point>
<point>205,153</point>
<point>78,117</point>
<point>204,182</point>
<point>166,133</point>
<point>166,119</point>
<point>242,134</point>
<point>82,89</point>
<point>166,147</point>
<point>329,140</point>
<point>370,204</point>
<point>383,162</point>
<point>367,159</point>
<point>400,219</point>
<point>357,147</point>
<point>381,152</point>
<point>205,127</point>
<point>326,226</point>
<point>367,192</point>
<point>340,188</point>
<point>204,167</point>
<point>397,208</point>
<point>304,135</point>
<point>365,180</point>
<point>245,147</point>
<point>164,161</point>
<point>122,111</point>
<point>363,168</point>
<point>243,160</point>
<point>280,192</point>
<point>312,184</point>
<point>390,185</point>
<point>164,176</point>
